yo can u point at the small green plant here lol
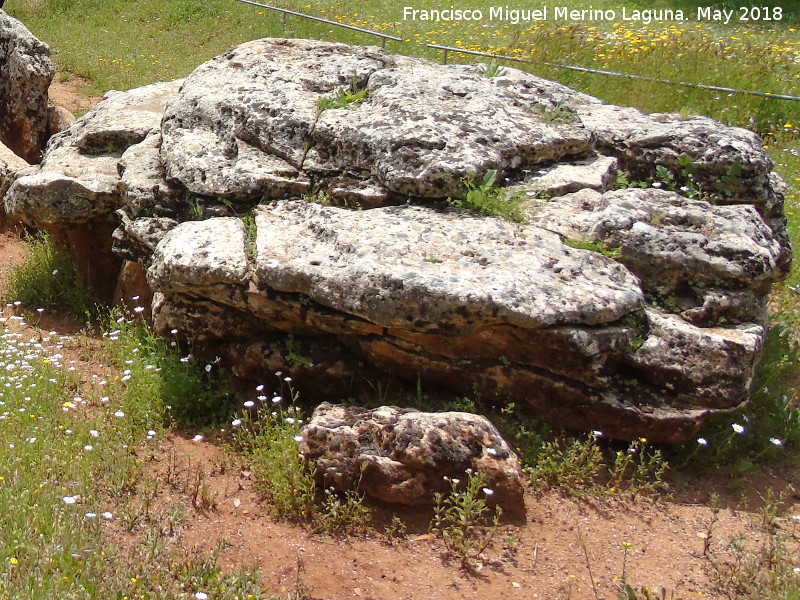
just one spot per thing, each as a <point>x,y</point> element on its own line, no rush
<point>396,531</point>
<point>636,343</point>
<point>484,197</point>
<point>578,467</point>
<point>624,182</point>
<point>570,465</point>
<point>667,302</point>
<point>461,404</point>
<point>628,592</point>
<point>761,563</point>
<point>730,181</point>
<point>556,115</point>
<point>270,441</point>
<point>493,69</point>
<point>193,391</point>
<point>195,207</point>
<point>249,221</point>
<point>345,98</point>
<point>638,470</point>
<point>464,520</point>
<point>294,352</point>
<point>48,279</point>
<point>287,480</point>
<point>343,513</point>
<point>597,246</point>
<point>525,433</point>
<point>657,218</point>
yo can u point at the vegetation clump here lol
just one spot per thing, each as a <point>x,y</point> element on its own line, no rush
<point>49,280</point>
<point>484,197</point>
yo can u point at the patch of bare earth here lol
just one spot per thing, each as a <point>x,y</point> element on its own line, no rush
<point>70,93</point>
<point>553,554</point>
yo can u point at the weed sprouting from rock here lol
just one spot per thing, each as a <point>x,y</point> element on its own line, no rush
<point>484,197</point>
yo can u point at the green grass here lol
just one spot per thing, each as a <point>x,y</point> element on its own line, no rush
<point>49,280</point>
<point>269,443</point>
<point>71,471</point>
<point>190,391</point>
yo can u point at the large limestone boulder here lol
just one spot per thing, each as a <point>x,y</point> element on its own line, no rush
<point>639,312</point>
<point>25,75</point>
<point>420,129</point>
<point>405,456</point>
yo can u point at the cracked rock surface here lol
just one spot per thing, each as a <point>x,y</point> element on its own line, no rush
<point>287,205</point>
<point>402,455</point>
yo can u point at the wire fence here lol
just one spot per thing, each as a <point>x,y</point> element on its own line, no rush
<point>286,11</point>
<point>447,49</point>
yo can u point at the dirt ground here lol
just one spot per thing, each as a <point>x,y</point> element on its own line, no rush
<point>564,544</point>
<point>67,93</point>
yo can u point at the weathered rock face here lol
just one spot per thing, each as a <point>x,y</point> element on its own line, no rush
<point>25,75</point>
<point>420,131</point>
<point>402,456</point>
<point>78,185</point>
<point>10,166</point>
<point>79,179</point>
<point>639,312</point>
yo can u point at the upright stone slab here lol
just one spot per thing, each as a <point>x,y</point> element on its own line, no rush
<point>26,72</point>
